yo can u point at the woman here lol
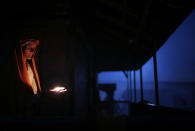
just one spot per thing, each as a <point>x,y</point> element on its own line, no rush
<point>20,81</point>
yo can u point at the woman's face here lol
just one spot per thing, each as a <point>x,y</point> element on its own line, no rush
<point>29,50</point>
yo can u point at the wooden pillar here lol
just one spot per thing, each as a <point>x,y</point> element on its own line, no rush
<point>128,92</point>
<point>141,85</point>
<point>134,87</point>
<point>156,79</point>
<point>131,93</point>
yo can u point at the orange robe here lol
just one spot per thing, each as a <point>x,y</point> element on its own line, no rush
<point>15,87</point>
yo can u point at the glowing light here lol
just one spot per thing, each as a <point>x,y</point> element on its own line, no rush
<point>59,89</point>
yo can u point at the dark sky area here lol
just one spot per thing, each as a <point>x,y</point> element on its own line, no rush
<point>176,58</point>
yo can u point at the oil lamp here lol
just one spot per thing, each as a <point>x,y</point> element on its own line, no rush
<point>58,89</point>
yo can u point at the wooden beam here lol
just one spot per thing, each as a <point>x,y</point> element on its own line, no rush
<point>114,21</point>
<point>119,7</point>
<point>142,21</point>
<point>117,34</point>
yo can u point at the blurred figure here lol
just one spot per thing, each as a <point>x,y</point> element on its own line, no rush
<point>20,85</point>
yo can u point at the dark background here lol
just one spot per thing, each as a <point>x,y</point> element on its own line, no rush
<point>79,39</point>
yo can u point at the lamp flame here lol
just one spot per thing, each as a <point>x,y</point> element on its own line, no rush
<point>59,89</point>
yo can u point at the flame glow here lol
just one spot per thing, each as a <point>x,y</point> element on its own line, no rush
<point>59,89</point>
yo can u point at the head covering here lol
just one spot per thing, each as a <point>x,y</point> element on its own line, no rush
<point>28,41</point>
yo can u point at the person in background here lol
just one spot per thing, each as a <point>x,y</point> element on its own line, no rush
<point>20,84</point>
